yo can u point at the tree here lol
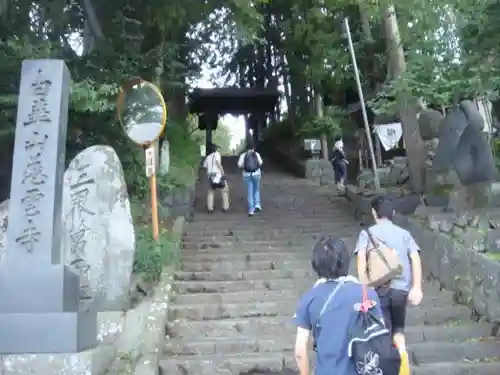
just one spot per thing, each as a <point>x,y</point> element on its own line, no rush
<point>435,58</point>
<point>449,46</point>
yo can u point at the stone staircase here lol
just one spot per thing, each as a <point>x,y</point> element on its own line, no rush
<point>241,278</point>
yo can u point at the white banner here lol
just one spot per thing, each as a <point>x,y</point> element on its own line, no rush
<point>389,134</point>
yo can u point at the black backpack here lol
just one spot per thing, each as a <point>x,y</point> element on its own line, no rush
<point>370,343</point>
<point>251,163</point>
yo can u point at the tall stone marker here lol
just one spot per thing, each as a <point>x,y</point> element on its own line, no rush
<point>39,297</point>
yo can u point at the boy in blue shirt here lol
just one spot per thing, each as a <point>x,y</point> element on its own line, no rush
<point>330,260</point>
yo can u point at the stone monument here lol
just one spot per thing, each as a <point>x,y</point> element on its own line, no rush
<point>39,296</point>
<point>98,234</point>
<point>463,167</point>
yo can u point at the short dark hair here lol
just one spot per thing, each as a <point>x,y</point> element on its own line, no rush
<point>384,207</point>
<point>337,138</point>
<point>212,147</point>
<point>330,258</point>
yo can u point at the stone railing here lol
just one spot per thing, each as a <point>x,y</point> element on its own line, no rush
<point>458,250</point>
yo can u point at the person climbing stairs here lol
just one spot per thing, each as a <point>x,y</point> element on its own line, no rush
<point>240,280</point>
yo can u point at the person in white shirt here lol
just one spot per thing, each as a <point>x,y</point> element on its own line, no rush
<point>216,179</point>
<point>251,161</point>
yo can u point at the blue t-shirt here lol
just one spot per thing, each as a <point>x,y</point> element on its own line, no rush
<point>336,322</point>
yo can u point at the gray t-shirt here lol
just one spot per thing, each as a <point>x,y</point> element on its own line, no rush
<point>397,238</point>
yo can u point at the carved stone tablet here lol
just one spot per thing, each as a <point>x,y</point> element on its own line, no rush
<point>99,240</point>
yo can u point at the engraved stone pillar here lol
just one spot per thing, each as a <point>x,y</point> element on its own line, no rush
<point>39,297</point>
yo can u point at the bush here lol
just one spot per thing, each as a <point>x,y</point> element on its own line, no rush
<point>152,256</point>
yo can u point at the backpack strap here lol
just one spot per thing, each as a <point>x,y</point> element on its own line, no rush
<point>328,300</point>
<point>375,248</point>
<point>323,310</point>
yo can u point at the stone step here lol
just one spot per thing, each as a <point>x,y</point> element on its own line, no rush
<point>232,254</point>
<point>244,251</point>
<point>215,244</point>
<point>460,368</point>
<point>234,275</point>
<point>260,295</point>
<point>218,251</point>
<point>267,363</point>
<point>245,265</point>
<point>431,290</point>
<point>415,316</point>
<point>204,221</point>
<point>182,287</point>
<point>283,227</point>
<point>433,352</point>
<point>281,338</point>
<point>223,364</point>
<point>292,235</point>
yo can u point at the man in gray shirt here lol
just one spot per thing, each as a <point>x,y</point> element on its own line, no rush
<point>408,287</point>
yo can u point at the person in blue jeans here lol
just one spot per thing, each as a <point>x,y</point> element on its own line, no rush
<point>251,161</point>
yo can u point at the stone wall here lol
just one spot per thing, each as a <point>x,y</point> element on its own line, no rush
<point>456,251</point>
<point>360,200</point>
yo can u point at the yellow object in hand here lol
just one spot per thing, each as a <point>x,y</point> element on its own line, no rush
<point>404,369</point>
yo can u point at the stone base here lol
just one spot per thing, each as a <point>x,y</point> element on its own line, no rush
<point>321,171</point>
<point>471,197</point>
<point>62,332</point>
<point>90,362</point>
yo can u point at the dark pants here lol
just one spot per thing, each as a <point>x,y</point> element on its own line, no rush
<point>340,169</point>
<point>393,304</point>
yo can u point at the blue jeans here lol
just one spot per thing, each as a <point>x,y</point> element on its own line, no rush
<point>253,186</point>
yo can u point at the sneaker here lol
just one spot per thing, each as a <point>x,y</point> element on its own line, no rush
<point>210,211</point>
<point>258,209</point>
<point>251,213</point>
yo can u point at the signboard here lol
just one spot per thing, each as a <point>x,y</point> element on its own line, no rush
<point>313,145</point>
<point>150,161</point>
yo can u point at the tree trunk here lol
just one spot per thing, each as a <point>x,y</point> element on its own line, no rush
<point>407,111</point>
<point>319,113</point>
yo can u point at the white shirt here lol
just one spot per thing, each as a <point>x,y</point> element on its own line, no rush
<point>212,162</point>
<point>241,162</point>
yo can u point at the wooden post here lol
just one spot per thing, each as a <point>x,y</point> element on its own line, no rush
<point>151,174</point>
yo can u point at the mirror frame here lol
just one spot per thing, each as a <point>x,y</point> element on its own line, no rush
<point>120,102</point>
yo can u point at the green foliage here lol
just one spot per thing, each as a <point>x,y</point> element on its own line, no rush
<point>496,153</point>
<point>317,126</point>
<point>152,256</point>
<point>328,125</point>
